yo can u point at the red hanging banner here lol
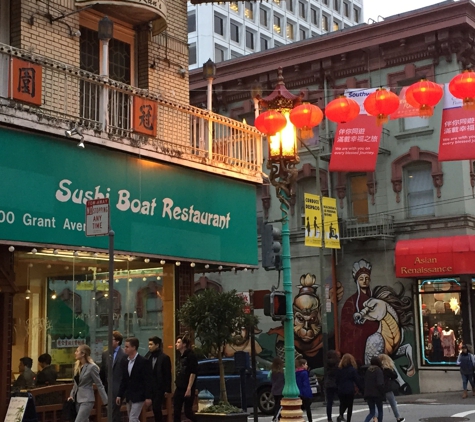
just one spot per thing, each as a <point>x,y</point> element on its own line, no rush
<point>405,109</point>
<point>356,145</point>
<point>457,131</point>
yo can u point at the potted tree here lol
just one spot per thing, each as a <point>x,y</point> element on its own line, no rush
<point>214,317</point>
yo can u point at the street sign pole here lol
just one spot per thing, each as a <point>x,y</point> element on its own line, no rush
<point>98,224</point>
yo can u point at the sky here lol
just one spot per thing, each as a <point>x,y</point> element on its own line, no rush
<point>385,8</point>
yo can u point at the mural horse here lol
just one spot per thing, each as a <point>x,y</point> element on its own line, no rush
<point>389,337</point>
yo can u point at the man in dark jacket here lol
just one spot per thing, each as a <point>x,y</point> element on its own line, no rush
<point>48,374</point>
<point>26,379</point>
<point>161,375</point>
<point>187,368</point>
<point>136,384</point>
<point>118,356</point>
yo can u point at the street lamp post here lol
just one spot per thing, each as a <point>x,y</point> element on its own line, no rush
<point>105,33</point>
<point>209,72</point>
<point>281,161</point>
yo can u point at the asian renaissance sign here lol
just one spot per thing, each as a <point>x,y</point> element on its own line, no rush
<point>156,208</point>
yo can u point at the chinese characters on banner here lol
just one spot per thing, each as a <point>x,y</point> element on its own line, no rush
<point>330,219</point>
<point>457,131</point>
<point>356,145</point>
<point>26,82</point>
<point>405,109</point>
<point>145,116</point>
<point>313,221</point>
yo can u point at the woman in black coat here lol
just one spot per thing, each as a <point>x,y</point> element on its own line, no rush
<point>331,389</point>
<point>346,380</point>
<point>374,389</point>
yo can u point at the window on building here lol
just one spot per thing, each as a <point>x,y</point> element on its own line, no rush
<point>219,54</point>
<point>336,5</point>
<point>290,5</point>
<point>346,9</point>
<point>191,22</point>
<point>336,25</point>
<point>289,31</point>
<point>192,54</point>
<point>325,20</point>
<point>302,34</point>
<point>249,40</point>
<point>249,10</point>
<point>235,54</point>
<point>277,2</point>
<point>234,32</point>
<point>356,15</point>
<point>278,44</point>
<point>277,25</point>
<point>420,189</point>
<point>263,17</point>
<point>325,2</point>
<point>314,16</point>
<point>218,25</point>
<point>303,10</point>
<point>264,44</point>
<point>410,123</point>
<point>358,197</point>
<point>234,6</point>
<point>440,315</point>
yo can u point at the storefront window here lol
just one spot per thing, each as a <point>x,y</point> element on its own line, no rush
<point>68,304</point>
<point>441,320</point>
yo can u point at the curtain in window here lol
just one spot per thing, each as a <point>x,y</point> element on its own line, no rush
<point>420,189</point>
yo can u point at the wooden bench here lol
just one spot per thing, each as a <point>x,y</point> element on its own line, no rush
<point>52,412</point>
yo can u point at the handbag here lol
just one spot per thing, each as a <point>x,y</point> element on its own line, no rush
<point>69,411</point>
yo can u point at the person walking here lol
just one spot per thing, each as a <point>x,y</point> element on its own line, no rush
<point>331,389</point>
<point>346,379</point>
<point>276,375</point>
<point>185,380</point>
<point>161,375</point>
<point>118,357</point>
<point>390,375</point>
<point>374,390</point>
<point>466,361</point>
<point>303,383</point>
<point>136,385</point>
<point>86,373</point>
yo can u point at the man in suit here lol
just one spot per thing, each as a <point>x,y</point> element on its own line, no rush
<point>118,357</point>
<point>136,384</point>
<point>161,375</point>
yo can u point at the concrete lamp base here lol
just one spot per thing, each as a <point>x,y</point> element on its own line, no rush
<point>291,410</point>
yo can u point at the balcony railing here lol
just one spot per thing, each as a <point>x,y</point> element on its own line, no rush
<point>71,96</point>
<point>378,226</point>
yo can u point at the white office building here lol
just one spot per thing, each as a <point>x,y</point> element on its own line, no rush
<point>226,30</point>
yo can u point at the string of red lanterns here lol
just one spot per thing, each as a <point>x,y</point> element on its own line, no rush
<point>423,95</point>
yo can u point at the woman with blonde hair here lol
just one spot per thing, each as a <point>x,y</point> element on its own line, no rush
<point>86,373</point>
<point>346,379</point>
<point>390,375</point>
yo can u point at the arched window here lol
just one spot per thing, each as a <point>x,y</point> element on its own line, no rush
<point>102,309</point>
<point>421,172</point>
<point>150,306</point>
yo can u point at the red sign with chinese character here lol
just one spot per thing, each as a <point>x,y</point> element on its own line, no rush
<point>356,145</point>
<point>26,82</point>
<point>405,109</point>
<point>145,116</point>
<point>457,135</point>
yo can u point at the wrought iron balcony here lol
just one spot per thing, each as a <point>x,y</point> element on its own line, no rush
<point>184,134</point>
<point>378,226</point>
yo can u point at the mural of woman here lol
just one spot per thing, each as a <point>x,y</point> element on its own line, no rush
<point>353,336</point>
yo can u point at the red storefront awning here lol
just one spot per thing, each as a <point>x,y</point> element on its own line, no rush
<point>438,256</point>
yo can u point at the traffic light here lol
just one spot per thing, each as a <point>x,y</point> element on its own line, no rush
<point>270,243</point>
<point>275,305</point>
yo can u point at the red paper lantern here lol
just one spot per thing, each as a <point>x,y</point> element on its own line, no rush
<point>426,94</point>
<point>410,97</point>
<point>380,104</point>
<point>270,122</point>
<point>463,86</point>
<point>342,110</point>
<point>305,117</point>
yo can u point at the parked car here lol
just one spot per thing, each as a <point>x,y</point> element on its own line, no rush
<point>208,379</point>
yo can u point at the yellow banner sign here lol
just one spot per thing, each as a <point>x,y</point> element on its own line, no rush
<point>313,221</point>
<point>330,218</point>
